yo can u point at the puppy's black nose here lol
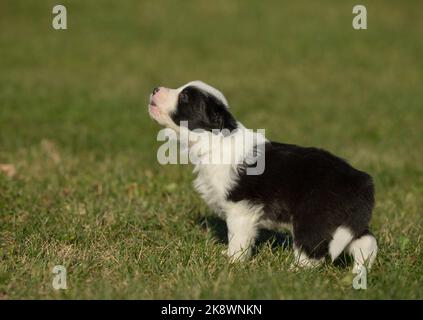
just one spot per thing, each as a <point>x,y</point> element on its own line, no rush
<point>155,90</point>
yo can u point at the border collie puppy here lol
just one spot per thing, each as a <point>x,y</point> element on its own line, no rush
<point>323,201</point>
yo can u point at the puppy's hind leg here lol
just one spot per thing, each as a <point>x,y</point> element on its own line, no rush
<point>310,245</point>
<point>340,240</point>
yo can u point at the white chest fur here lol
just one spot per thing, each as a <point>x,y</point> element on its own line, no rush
<point>215,179</point>
<point>213,183</point>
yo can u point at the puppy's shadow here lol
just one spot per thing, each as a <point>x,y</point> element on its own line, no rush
<point>276,239</point>
<point>216,226</point>
<point>219,230</point>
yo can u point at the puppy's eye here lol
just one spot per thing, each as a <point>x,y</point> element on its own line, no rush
<point>183,97</point>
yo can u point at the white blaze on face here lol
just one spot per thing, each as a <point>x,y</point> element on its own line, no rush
<point>164,102</point>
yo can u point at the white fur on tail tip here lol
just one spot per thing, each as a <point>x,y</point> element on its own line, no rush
<point>364,251</point>
<point>341,238</point>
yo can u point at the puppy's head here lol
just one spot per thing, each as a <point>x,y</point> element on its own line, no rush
<point>196,104</point>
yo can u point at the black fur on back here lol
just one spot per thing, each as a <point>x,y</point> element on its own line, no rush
<point>312,189</point>
<point>202,111</point>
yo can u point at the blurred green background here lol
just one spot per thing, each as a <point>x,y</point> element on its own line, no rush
<point>79,181</point>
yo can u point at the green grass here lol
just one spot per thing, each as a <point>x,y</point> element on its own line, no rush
<point>89,193</point>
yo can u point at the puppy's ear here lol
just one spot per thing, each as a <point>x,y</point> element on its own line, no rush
<point>220,118</point>
<point>215,117</point>
<point>229,121</point>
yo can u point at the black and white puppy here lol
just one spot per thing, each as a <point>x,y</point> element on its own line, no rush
<point>323,201</point>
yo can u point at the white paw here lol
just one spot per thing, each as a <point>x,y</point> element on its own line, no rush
<point>293,267</point>
<point>237,256</point>
<point>304,264</point>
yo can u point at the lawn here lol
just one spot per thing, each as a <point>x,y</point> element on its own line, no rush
<point>82,186</point>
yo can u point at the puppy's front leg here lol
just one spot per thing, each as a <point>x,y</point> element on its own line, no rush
<point>242,232</point>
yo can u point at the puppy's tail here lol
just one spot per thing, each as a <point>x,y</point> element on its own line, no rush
<point>364,250</point>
